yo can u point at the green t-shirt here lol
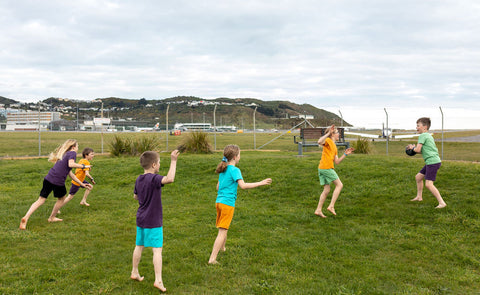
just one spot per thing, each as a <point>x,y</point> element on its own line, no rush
<point>429,149</point>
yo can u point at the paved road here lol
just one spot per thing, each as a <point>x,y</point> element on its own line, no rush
<point>475,138</point>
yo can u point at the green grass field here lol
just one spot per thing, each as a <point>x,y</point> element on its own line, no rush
<point>380,242</point>
<point>21,144</point>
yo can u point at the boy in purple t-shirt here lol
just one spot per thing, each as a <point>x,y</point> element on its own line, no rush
<point>148,192</point>
<point>64,158</point>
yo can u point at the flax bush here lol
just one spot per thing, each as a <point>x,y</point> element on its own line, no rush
<point>362,146</point>
<point>196,142</point>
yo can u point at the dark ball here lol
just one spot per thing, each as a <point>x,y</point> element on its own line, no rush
<point>410,152</point>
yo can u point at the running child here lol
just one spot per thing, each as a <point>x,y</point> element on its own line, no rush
<point>148,192</point>
<point>326,171</point>
<point>426,146</point>
<point>230,177</point>
<point>81,174</point>
<point>64,158</point>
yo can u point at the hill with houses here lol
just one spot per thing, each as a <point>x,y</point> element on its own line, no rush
<point>237,111</point>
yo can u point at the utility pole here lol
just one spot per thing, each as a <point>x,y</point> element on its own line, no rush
<point>214,128</point>
<point>39,133</point>
<point>166,126</point>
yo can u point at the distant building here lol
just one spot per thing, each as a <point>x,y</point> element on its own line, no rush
<point>30,120</point>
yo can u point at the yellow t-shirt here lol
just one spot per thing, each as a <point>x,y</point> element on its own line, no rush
<point>80,172</point>
<point>328,154</point>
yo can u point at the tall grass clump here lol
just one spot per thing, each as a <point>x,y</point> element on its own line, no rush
<point>362,146</point>
<point>196,142</point>
<point>126,146</point>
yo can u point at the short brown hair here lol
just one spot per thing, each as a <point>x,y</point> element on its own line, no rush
<point>425,121</point>
<point>86,151</point>
<point>148,158</point>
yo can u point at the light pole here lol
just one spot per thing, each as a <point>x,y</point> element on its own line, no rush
<point>39,133</point>
<point>387,128</point>
<point>214,128</point>
<point>441,111</point>
<point>166,123</point>
<point>341,116</point>
<point>254,135</point>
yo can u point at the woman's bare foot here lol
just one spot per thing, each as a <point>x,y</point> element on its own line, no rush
<point>416,199</point>
<point>440,206</point>
<point>320,214</point>
<point>85,204</point>
<point>331,209</point>
<point>55,219</point>
<point>160,286</point>
<point>23,224</point>
<point>136,277</point>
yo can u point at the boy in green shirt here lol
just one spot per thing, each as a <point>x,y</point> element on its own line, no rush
<point>426,146</point>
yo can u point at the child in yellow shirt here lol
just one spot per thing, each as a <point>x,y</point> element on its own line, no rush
<point>326,172</point>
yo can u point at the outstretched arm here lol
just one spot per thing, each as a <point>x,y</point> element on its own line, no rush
<point>72,164</point>
<point>74,178</point>
<point>348,151</point>
<point>173,168</point>
<point>246,185</point>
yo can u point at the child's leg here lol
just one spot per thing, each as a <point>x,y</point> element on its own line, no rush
<point>419,180</point>
<point>33,207</point>
<point>68,199</point>
<point>219,243</point>
<point>441,203</point>
<point>323,197</point>
<point>56,207</point>
<point>336,192</point>
<point>84,200</point>
<point>137,255</point>
<point>157,264</point>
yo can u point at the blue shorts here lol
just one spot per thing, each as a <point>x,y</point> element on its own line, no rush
<point>150,237</point>
<point>430,171</point>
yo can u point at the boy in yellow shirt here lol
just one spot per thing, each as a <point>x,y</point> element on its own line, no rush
<point>326,173</point>
<point>81,174</point>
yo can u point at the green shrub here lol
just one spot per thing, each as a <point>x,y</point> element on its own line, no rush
<point>362,146</point>
<point>126,146</point>
<point>145,143</point>
<point>196,142</point>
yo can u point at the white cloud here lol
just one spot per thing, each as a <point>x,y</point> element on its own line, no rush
<point>357,54</point>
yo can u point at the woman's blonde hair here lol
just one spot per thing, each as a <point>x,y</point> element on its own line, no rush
<point>229,152</point>
<point>61,150</point>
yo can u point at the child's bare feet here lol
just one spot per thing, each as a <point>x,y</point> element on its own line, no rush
<point>224,249</point>
<point>23,224</point>
<point>136,277</point>
<point>331,209</point>
<point>320,214</point>
<point>440,206</point>
<point>416,199</point>
<point>85,204</point>
<point>55,219</point>
<point>160,286</point>
<point>213,262</point>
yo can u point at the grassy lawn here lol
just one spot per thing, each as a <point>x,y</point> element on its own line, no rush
<point>380,242</point>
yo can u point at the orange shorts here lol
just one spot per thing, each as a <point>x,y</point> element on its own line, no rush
<point>224,215</point>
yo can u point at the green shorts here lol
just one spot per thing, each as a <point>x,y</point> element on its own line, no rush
<point>326,176</point>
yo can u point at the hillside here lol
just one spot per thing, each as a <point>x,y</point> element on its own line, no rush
<point>238,111</point>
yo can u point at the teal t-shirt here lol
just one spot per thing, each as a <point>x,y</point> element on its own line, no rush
<point>227,185</point>
<point>429,149</point>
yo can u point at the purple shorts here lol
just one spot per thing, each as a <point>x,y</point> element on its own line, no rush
<point>430,171</point>
<point>74,189</point>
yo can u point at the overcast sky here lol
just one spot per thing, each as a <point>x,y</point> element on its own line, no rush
<point>359,57</point>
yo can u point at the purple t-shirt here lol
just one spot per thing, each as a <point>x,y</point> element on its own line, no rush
<point>59,172</point>
<point>148,188</point>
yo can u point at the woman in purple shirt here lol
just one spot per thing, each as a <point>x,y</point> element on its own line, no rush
<point>64,158</point>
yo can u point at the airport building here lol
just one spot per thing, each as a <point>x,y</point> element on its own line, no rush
<point>31,121</point>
